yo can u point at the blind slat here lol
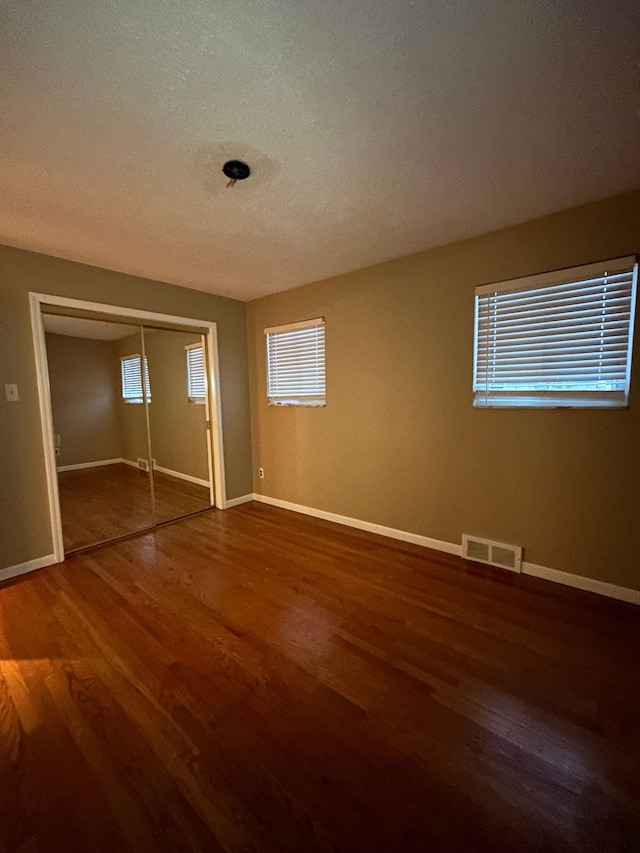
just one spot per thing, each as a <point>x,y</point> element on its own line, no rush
<point>578,291</point>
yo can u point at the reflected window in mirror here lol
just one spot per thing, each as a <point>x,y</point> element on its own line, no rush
<point>131,372</point>
<point>196,375</point>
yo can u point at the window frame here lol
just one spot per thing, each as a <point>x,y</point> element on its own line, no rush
<point>484,397</point>
<point>316,398</point>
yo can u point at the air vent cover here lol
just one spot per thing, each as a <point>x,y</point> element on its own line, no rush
<point>492,553</point>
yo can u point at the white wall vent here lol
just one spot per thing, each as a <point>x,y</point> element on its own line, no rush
<point>143,464</point>
<point>492,553</point>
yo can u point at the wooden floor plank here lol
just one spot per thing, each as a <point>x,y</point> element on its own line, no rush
<point>256,680</point>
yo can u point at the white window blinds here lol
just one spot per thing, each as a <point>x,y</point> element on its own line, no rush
<point>557,339</point>
<point>196,375</point>
<point>295,363</point>
<point>132,378</point>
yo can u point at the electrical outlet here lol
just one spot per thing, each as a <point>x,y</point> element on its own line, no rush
<point>261,473</point>
<point>11,393</point>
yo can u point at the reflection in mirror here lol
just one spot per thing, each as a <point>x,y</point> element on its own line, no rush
<point>178,422</point>
<point>100,430</point>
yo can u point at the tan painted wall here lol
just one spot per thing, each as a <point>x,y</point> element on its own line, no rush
<point>24,519</point>
<point>83,399</point>
<point>178,428</point>
<point>399,442</point>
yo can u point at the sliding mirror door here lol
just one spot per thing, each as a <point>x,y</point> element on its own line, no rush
<point>100,428</point>
<point>178,419</point>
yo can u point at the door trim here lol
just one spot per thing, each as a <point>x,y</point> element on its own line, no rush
<point>215,443</point>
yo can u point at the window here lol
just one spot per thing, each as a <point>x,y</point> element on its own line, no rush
<point>132,379</point>
<point>196,376</point>
<point>295,364</point>
<point>556,339</point>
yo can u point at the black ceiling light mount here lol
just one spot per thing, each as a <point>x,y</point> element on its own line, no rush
<point>236,170</point>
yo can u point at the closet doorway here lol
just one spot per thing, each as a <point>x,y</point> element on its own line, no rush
<point>131,419</point>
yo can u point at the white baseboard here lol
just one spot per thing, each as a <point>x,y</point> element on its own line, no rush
<point>89,464</point>
<point>622,593</point>
<point>369,526</point>
<point>577,581</point>
<point>243,499</point>
<point>178,474</point>
<point>24,568</point>
<point>609,590</point>
<point>181,476</point>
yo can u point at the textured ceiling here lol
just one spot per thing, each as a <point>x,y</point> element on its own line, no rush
<point>375,128</point>
<point>75,327</point>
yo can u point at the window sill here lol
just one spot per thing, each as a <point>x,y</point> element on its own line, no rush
<point>551,404</point>
<point>196,401</point>
<point>300,403</point>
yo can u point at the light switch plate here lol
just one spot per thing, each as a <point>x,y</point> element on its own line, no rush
<point>11,393</point>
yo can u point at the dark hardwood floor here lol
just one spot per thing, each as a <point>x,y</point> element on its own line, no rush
<point>103,503</point>
<point>256,680</point>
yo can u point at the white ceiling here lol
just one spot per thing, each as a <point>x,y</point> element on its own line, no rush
<point>375,128</point>
<point>78,327</point>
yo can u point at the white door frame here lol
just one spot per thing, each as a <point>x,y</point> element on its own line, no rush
<point>214,445</point>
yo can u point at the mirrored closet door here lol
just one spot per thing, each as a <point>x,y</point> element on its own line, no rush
<point>130,415</point>
<point>178,419</point>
